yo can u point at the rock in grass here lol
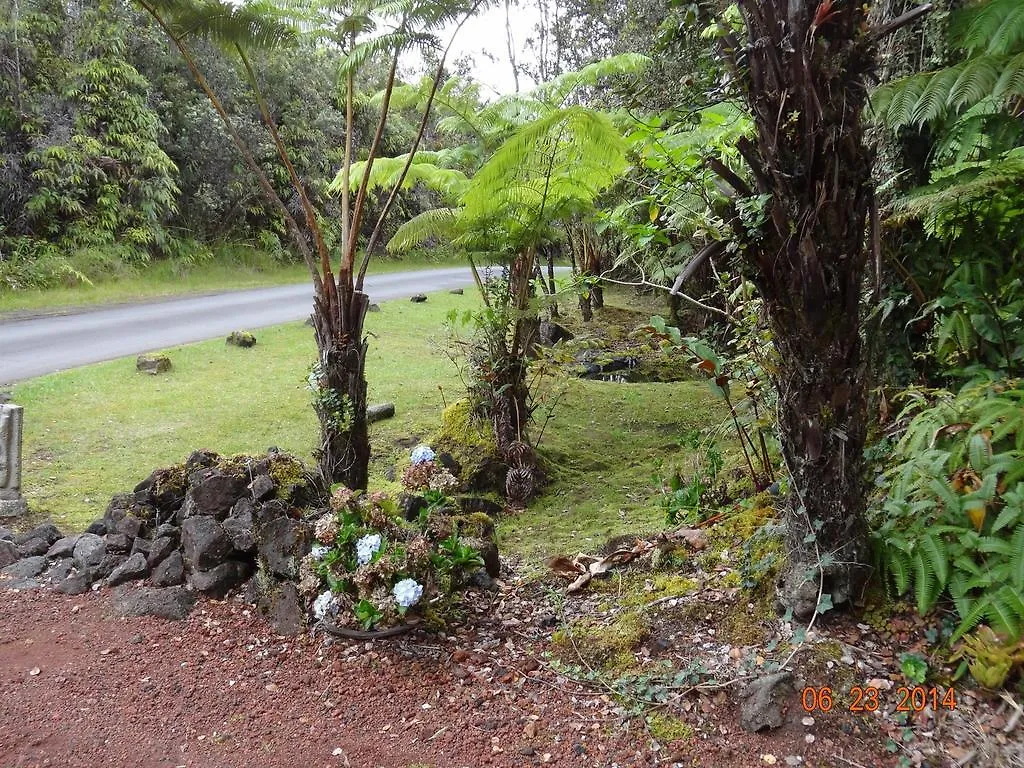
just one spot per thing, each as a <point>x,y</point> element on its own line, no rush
<point>418,298</point>
<point>380,412</point>
<point>456,291</point>
<point>153,364</point>
<point>373,308</point>
<point>241,339</point>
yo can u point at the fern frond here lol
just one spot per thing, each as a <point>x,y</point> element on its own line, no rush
<point>977,79</point>
<point>437,222</point>
<point>254,25</point>
<point>1011,81</point>
<point>557,91</point>
<point>995,27</point>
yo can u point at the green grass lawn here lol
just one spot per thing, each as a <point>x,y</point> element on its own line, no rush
<point>237,271</point>
<point>96,431</point>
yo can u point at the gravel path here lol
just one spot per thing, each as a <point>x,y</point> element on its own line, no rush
<point>82,689</point>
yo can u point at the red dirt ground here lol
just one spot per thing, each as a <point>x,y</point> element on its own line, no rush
<point>79,688</point>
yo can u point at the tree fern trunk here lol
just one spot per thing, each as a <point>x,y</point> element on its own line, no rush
<point>340,397</point>
<point>804,76</point>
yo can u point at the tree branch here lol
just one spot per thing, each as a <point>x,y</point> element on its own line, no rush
<point>899,22</point>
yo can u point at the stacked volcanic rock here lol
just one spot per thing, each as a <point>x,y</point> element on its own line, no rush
<point>208,524</point>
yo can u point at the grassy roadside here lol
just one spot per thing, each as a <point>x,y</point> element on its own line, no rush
<point>96,431</point>
<point>240,269</point>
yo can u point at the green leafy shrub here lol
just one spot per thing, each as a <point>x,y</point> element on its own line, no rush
<point>952,520</point>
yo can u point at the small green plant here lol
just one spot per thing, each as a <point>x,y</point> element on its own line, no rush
<point>688,501</point>
<point>914,667</point>
<point>991,659</point>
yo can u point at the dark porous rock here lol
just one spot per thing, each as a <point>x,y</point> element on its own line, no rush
<point>108,565</point>
<point>262,487</point>
<point>131,569</point>
<point>217,493</point>
<point>282,544</point>
<point>550,333</point>
<point>99,527</point>
<point>379,412</point>
<point>373,308</point>
<point>160,549</point>
<point>59,570</point>
<point>48,532</point>
<point>64,547</point>
<point>411,504</point>
<point>28,568</point>
<point>280,604</point>
<point>152,364</point>
<point>450,463</point>
<point>128,506</point>
<point>217,582</point>
<point>418,298</point>
<point>471,504</point>
<point>20,585</point>
<point>8,553</point>
<point>118,543</point>
<point>170,571</point>
<point>129,527</point>
<point>33,547</point>
<point>204,542</point>
<point>239,530</point>
<point>241,339</point>
<point>164,488</point>
<point>89,550</point>
<point>270,510</point>
<point>6,534</point>
<point>141,545</point>
<point>164,602</point>
<point>168,531</point>
<point>763,702</point>
<point>456,291</point>
<point>488,549</point>
<point>201,459</point>
<point>76,583</point>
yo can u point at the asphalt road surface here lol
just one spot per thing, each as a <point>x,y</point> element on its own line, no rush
<point>40,345</point>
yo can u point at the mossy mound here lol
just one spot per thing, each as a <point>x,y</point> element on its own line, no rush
<point>606,646</point>
<point>470,441</point>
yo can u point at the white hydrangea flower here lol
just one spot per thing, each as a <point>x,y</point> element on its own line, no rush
<point>407,592</point>
<point>322,603</point>
<point>319,551</point>
<point>422,453</point>
<point>367,547</point>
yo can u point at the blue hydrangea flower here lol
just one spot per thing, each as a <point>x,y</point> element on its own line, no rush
<point>367,547</point>
<point>322,604</point>
<point>407,593</point>
<point>422,453</point>
<point>319,551</point>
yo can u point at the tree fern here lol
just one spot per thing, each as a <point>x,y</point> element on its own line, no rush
<point>436,222</point>
<point>994,27</point>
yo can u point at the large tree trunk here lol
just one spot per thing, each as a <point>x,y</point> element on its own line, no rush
<point>340,399</point>
<point>802,233</point>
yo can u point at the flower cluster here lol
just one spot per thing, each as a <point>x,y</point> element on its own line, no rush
<point>443,481</point>
<point>326,529</point>
<point>369,567</point>
<point>367,547</point>
<point>422,453</point>
<point>407,593</point>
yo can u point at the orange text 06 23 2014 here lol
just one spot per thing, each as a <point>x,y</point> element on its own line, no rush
<point>870,699</point>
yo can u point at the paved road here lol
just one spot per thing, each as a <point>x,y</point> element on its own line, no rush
<point>40,345</point>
